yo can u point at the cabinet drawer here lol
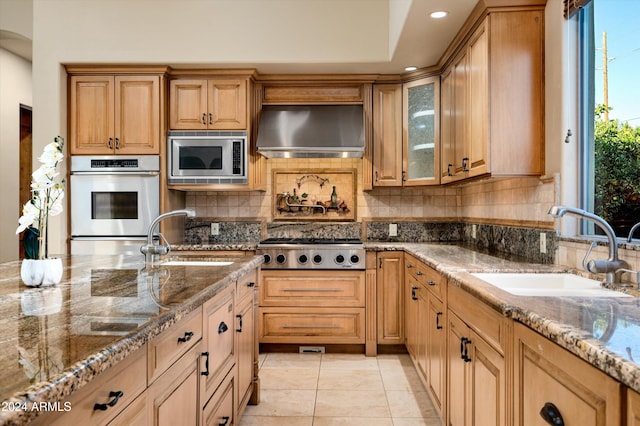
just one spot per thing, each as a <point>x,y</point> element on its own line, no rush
<point>312,288</point>
<point>317,325</point>
<point>166,348</point>
<point>220,410</point>
<point>426,275</point>
<point>127,379</point>
<point>246,285</point>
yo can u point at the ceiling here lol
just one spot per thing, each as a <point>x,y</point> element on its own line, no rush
<point>414,39</point>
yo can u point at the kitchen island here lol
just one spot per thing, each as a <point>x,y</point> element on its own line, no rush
<point>56,340</point>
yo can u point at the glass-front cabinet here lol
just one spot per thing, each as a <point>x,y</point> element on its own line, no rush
<point>421,132</point>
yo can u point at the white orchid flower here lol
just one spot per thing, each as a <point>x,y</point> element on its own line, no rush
<point>29,215</point>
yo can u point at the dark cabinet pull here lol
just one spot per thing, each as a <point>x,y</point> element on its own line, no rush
<point>409,265</point>
<point>239,316</point>
<point>551,414</point>
<point>187,336</point>
<point>419,273</point>
<point>377,177</point>
<point>431,283</point>
<point>117,143</point>
<point>438,326</point>
<point>210,118</point>
<point>251,284</point>
<point>404,176</point>
<point>414,296</point>
<point>110,143</point>
<point>115,395</point>
<point>225,421</point>
<point>204,118</point>
<point>206,364</point>
<point>222,327</point>
<point>449,166</point>
<point>464,349</point>
<point>465,164</point>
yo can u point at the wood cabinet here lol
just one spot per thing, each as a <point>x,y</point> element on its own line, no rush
<point>390,287</point>
<point>387,135</point>
<point>221,408</point>
<point>492,99</point>
<point>551,378</point>
<point>246,341</point>
<point>633,408</point>
<point>114,113</point>
<point>425,334</point>
<point>478,346</point>
<point>312,306</point>
<point>208,104</point>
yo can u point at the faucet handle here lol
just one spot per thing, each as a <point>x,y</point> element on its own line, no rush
<point>623,270</point>
<point>585,265</point>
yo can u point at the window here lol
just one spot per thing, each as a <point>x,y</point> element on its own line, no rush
<point>609,60</point>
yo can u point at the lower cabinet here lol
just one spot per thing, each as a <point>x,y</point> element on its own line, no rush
<point>246,341</point>
<point>553,386</point>
<point>221,408</point>
<point>633,408</point>
<point>390,303</point>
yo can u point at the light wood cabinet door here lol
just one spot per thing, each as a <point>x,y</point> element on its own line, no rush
<point>221,408</point>
<point>173,398</point>
<point>477,141</point>
<point>114,114</point>
<point>447,122</point>
<point>633,408</point>
<point>548,374</point>
<point>136,414</point>
<point>411,324</point>
<point>188,105</point>
<point>457,374</point>
<point>436,348</point>
<point>390,286</point>
<point>387,135</point>
<point>227,101</point>
<point>245,344</point>
<point>91,114</point>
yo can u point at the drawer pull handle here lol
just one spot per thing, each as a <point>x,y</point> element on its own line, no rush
<point>438,326</point>
<point>225,421</point>
<point>414,296</point>
<point>311,289</point>
<point>464,349</point>
<point>210,118</point>
<point>418,272</point>
<point>117,143</point>
<point>110,143</point>
<point>409,265</point>
<point>251,284</point>
<point>431,283</point>
<point>187,336</point>
<point>551,414</point>
<point>222,327</point>
<point>206,364</point>
<point>115,395</point>
<point>239,316</point>
<point>204,118</point>
<point>310,326</point>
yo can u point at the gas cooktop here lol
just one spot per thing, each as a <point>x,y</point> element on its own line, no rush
<point>304,241</point>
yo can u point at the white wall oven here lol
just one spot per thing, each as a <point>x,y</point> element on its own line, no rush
<point>114,199</point>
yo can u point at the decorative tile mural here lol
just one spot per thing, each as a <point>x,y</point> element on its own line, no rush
<point>314,194</point>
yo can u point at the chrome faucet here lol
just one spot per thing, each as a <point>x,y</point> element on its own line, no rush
<point>613,266</point>
<point>151,251</point>
<point>632,231</point>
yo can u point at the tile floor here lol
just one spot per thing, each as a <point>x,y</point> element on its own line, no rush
<point>340,389</point>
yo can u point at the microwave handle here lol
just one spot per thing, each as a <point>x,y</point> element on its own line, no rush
<point>147,173</point>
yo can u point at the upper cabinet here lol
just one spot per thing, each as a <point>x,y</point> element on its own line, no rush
<point>492,100</point>
<point>208,104</point>
<point>406,141</point>
<point>115,112</point>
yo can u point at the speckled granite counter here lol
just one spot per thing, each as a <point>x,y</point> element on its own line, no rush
<point>55,340</point>
<point>603,331</point>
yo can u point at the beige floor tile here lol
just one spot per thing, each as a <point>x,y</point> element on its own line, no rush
<point>350,403</point>
<point>430,421</point>
<point>275,421</point>
<point>288,403</point>
<point>351,421</point>
<point>289,378</point>
<point>410,404</point>
<point>292,360</point>
<point>348,361</point>
<point>394,360</point>
<point>350,379</point>
<point>401,378</point>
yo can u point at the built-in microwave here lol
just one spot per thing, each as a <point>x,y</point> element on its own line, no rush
<point>207,157</point>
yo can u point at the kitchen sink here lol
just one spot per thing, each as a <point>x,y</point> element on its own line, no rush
<point>196,263</point>
<point>548,284</point>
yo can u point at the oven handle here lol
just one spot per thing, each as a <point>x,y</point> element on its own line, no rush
<point>149,173</point>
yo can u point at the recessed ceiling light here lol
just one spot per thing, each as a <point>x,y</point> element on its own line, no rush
<point>439,14</point>
<point>411,68</point>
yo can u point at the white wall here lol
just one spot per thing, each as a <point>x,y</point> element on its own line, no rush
<point>15,86</point>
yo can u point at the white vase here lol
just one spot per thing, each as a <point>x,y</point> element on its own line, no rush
<point>41,272</point>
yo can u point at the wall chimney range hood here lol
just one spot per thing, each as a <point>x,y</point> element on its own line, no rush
<point>311,131</point>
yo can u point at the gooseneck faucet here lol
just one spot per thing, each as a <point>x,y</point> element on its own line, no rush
<point>633,231</point>
<point>613,265</point>
<point>151,250</point>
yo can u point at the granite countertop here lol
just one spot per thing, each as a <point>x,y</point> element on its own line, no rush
<point>57,339</point>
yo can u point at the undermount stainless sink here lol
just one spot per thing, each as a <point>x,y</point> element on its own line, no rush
<point>548,284</point>
<point>196,263</point>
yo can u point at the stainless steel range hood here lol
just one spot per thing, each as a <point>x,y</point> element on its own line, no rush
<point>307,131</point>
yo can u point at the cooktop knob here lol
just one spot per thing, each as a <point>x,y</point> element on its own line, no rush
<point>317,258</point>
<point>355,258</point>
<point>281,258</point>
<point>267,258</point>
<point>339,259</point>
<point>303,259</point>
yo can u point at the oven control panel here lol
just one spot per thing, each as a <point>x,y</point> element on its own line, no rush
<point>317,257</point>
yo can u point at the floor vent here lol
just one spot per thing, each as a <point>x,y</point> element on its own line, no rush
<point>311,349</point>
